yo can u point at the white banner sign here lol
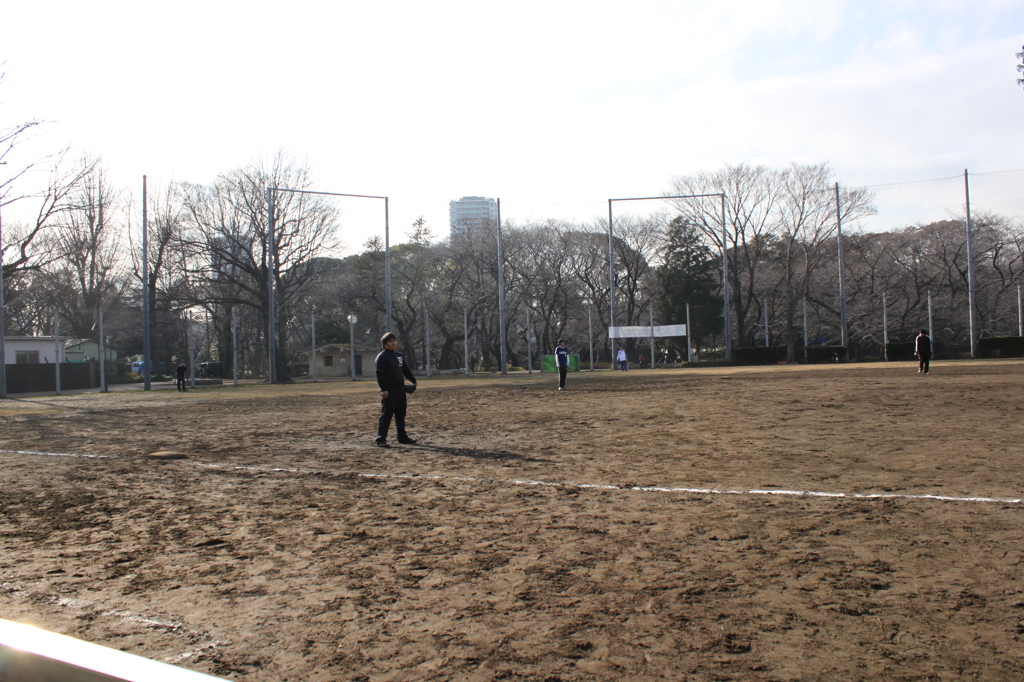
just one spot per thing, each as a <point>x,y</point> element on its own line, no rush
<point>659,331</point>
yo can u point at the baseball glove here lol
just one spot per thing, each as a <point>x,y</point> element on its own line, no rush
<point>410,389</point>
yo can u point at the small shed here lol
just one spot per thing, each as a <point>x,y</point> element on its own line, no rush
<point>32,350</point>
<point>335,360</point>
<point>86,350</point>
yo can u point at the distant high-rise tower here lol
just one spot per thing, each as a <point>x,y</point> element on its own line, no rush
<point>472,214</point>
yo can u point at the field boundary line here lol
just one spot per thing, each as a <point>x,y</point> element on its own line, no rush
<point>580,486</point>
<point>53,454</point>
<point>635,488</point>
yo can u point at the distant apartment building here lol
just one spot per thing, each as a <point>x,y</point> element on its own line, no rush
<point>472,214</point>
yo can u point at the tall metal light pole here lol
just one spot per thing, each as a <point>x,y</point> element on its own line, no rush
<point>529,346</point>
<point>234,343</point>
<point>653,363</point>
<point>147,359</point>
<point>765,322</point>
<point>270,249</point>
<point>725,284</point>
<point>191,353</point>
<point>352,319</point>
<point>103,355</point>
<point>590,329</point>
<point>611,266</point>
<point>725,259</point>
<point>842,279</point>
<point>465,338</point>
<point>689,336</point>
<point>313,327</point>
<point>56,349</point>
<point>1020,312</point>
<point>885,329</point>
<point>972,304</point>
<point>387,265</point>
<point>805,330</point>
<point>426,323</point>
<point>271,308</point>
<point>501,296</point>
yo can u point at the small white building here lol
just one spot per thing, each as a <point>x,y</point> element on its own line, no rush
<point>42,350</point>
<point>334,360</point>
<point>33,350</point>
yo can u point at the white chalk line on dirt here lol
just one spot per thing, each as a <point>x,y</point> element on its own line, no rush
<point>636,488</point>
<point>53,454</point>
<point>583,486</point>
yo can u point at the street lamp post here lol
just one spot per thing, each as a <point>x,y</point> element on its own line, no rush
<point>465,337</point>
<point>529,344</point>
<point>590,325</point>
<point>147,356</point>
<point>313,331</point>
<point>103,355</point>
<point>352,319</point>
<point>501,295</point>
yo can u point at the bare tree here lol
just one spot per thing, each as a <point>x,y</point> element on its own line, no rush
<point>87,270</point>
<point>806,225</point>
<point>752,194</point>
<point>227,239</point>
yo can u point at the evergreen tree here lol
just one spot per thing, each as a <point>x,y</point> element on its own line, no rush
<point>689,274</point>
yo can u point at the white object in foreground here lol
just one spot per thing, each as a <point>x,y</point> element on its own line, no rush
<point>28,654</point>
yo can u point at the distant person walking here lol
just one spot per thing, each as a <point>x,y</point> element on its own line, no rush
<point>562,360</point>
<point>923,351</point>
<point>392,371</point>
<point>621,357</point>
<point>179,373</point>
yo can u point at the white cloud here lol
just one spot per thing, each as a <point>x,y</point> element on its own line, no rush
<point>553,106</point>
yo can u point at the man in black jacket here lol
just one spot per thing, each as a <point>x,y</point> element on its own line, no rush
<point>923,351</point>
<point>392,371</point>
<point>180,376</point>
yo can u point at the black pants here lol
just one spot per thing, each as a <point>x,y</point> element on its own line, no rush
<point>923,359</point>
<point>394,405</point>
<point>180,383</point>
<point>562,371</point>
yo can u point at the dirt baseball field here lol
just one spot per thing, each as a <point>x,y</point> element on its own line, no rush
<point>646,525</point>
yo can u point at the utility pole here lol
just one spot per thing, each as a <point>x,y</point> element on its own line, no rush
<point>147,359</point>
<point>842,278</point>
<point>501,296</point>
<point>972,304</point>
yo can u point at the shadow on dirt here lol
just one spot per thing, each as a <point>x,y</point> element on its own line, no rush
<point>502,455</point>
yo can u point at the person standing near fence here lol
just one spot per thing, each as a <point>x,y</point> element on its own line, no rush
<point>562,360</point>
<point>621,357</point>
<point>179,373</point>
<point>392,371</point>
<point>923,351</point>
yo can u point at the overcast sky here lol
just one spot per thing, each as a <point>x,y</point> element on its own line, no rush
<point>552,106</point>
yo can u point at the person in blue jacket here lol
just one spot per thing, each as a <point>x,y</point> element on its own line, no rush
<point>562,360</point>
<point>392,371</point>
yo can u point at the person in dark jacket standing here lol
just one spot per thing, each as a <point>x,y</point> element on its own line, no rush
<point>392,371</point>
<point>562,360</point>
<point>179,372</point>
<point>923,351</point>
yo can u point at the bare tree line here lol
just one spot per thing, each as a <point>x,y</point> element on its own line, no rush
<point>208,258</point>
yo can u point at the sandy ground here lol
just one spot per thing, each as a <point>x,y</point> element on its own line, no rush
<point>287,547</point>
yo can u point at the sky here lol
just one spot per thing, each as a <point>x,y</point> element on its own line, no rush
<point>554,107</point>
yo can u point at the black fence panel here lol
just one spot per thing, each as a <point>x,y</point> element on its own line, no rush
<point>41,378</point>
